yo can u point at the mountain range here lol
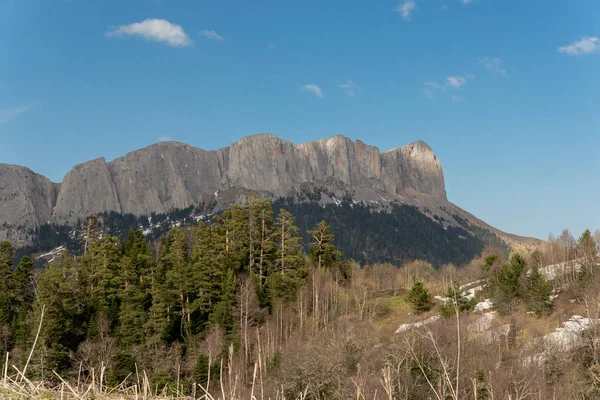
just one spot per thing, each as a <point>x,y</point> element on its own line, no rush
<point>171,175</point>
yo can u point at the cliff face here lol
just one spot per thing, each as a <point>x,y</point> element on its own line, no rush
<point>26,200</point>
<point>172,175</point>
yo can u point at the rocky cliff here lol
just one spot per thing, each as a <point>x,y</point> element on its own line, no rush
<point>173,175</point>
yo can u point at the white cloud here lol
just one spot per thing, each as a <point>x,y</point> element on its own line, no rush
<point>452,82</point>
<point>314,89</point>
<point>466,1</point>
<point>406,8</point>
<point>445,7</point>
<point>587,45</point>
<point>211,35</point>
<point>457,99</point>
<point>11,114</point>
<point>493,65</point>
<point>164,139</point>
<point>456,81</point>
<point>158,30</point>
<point>349,88</point>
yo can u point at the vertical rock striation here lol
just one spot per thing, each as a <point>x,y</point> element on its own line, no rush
<point>172,175</point>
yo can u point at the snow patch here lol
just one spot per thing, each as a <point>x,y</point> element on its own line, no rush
<point>483,306</point>
<point>405,327</point>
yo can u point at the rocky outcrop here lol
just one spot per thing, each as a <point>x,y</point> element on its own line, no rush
<point>26,200</point>
<point>173,175</point>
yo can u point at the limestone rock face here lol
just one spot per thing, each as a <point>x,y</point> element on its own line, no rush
<point>26,200</point>
<point>88,188</point>
<point>172,175</point>
<point>166,176</point>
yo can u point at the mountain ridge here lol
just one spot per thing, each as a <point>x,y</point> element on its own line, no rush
<point>175,175</point>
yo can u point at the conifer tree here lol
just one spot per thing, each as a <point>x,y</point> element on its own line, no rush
<point>289,270</point>
<point>323,252</point>
<point>136,266</point>
<point>456,301</point>
<point>7,285</point>
<point>419,298</point>
<point>209,265</point>
<point>23,279</point>
<point>537,293</point>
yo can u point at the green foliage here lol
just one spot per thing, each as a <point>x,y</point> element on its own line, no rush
<point>419,298</point>
<point>483,393</point>
<point>516,284</point>
<point>456,301</point>
<point>508,284</point>
<point>537,293</point>
<point>57,358</point>
<point>399,233</point>
<point>121,299</point>
<point>7,284</point>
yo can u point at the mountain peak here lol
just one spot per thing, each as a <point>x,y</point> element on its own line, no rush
<point>170,175</point>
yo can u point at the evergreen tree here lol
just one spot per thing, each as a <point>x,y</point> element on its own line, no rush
<point>210,266</point>
<point>289,270</point>
<point>7,285</point>
<point>135,280</point>
<point>508,284</point>
<point>419,298</point>
<point>456,301</point>
<point>65,318</point>
<point>587,248</point>
<point>323,252</point>
<point>23,279</point>
<point>537,293</point>
<point>105,271</point>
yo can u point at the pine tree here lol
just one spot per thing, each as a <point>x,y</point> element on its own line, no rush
<point>7,285</point>
<point>289,270</point>
<point>587,248</point>
<point>105,256</point>
<point>537,293</point>
<point>136,267</point>
<point>509,283</point>
<point>160,312</point>
<point>323,252</point>
<point>210,266</point>
<point>23,279</point>
<point>419,298</point>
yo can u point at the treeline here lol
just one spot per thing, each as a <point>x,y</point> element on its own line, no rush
<point>364,233</point>
<point>119,302</point>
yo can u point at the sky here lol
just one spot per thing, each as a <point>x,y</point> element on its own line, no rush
<point>506,92</point>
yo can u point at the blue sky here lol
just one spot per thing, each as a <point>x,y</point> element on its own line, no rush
<point>507,92</point>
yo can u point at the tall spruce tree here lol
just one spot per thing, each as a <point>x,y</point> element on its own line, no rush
<point>289,269</point>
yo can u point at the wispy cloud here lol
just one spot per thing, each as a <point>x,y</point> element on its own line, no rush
<point>406,8</point>
<point>165,139</point>
<point>456,81</point>
<point>314,89</point>
<point>11,114</point>
<point>211,35</point>
<point>158,30</point>
<point>466,1</point>
<point>452,82</point>
<point>587,45</point>
<point>457,99</point>
<point>349,88</point>
<point>493,65</point>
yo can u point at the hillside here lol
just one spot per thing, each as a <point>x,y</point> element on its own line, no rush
<point>173,176</point>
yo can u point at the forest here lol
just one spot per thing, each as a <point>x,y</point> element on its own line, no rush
<point>239,307</point>
<point>362,232</point>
